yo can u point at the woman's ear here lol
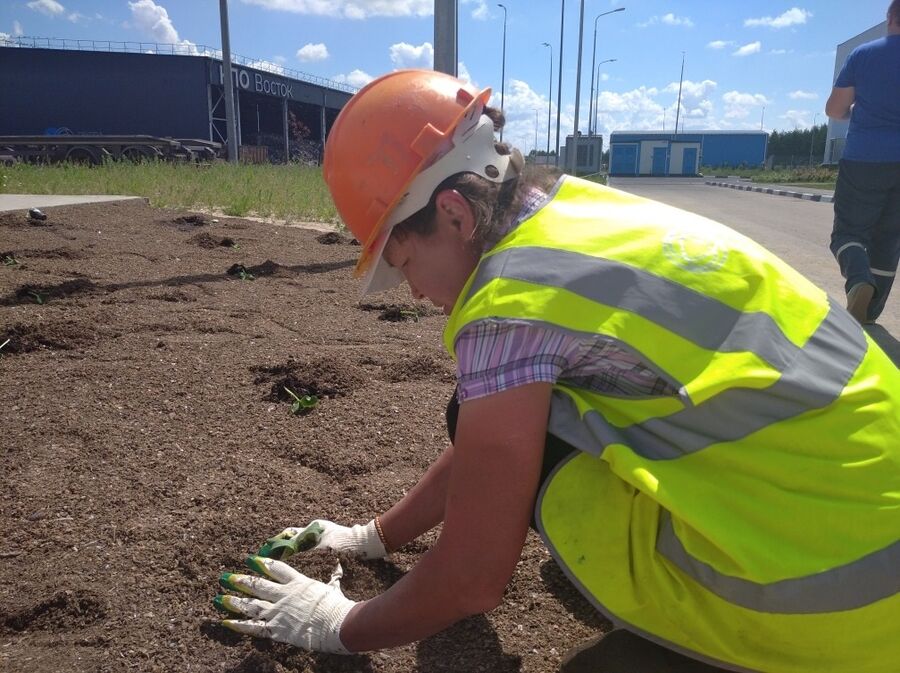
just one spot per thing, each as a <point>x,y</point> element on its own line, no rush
<point>453,208</point>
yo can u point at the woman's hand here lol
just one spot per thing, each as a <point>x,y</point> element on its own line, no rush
<point>362,541</point>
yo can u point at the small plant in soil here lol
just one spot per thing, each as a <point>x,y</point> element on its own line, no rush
<point>2,345</point>
<point>302,404</point>
<point>9,260</point>
<point>37,296</point>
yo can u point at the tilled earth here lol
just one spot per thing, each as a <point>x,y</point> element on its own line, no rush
<point>149,445</point>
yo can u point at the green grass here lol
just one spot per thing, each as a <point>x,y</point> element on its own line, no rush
<point>283,192</point>
<point>820,177</point>
<point>814,185</point>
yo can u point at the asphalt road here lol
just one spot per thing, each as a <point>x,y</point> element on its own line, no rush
<point>796,230</point>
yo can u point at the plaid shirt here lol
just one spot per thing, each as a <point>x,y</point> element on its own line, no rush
<point>496,355</point>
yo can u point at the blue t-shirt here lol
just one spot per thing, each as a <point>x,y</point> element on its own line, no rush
<point>873,69</point>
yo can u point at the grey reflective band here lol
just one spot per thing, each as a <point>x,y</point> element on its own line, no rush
<point>854,585</point>
<point>702,320</point>
<point>811,377</point>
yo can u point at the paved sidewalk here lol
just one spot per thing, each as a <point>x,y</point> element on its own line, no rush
<point>26,201</point>
<point>808,194</point>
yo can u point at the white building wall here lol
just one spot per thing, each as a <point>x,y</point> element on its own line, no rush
<point>645,162</point>
<point>676,158</point>
<point>837,130</point>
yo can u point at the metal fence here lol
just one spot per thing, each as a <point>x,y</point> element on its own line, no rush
<point>178,49</point>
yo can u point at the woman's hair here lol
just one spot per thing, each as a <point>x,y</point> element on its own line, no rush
<point>493,204</point>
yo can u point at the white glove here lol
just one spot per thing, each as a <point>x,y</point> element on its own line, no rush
<point>362,541</point>
<point>293,609</point>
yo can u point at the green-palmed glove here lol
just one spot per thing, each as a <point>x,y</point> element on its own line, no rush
<point>293,609</point>
<point>359,540</point>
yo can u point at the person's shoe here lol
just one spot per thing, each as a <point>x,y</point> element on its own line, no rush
<point>858,299</point>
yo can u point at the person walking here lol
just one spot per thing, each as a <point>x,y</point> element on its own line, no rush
<point>866,235</point>
<point>706,443</point>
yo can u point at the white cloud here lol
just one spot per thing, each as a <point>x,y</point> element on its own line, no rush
<point>154,20</point>
<point>796,118</point>
<point>357,78</point>
<point>604,77</point>
<point>17,29</point>
<point>719,44</point>
<point>5,40</point>
<point>739,105</point>
<point>350,9</point>
<point>792,17</point>
<point>802,95</point>
<point>463,73</point>
<point>668,19</point>
<point>404,55</point>
<point>48,7</point>
<point>779,52</point>
<point>480,12</point>
<point>312,52</point>
<point>747,49</point>
<point>76,17</point>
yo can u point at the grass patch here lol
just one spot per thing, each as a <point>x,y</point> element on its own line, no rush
<point>820,177</point>
<point>813,185</point>
<point>287,192</point>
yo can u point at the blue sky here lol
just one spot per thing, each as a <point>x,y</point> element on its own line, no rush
<point>746,63</point>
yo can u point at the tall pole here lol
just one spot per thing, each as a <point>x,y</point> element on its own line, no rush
<point>593,65</point>
<point>503,68</point>
<point>535,134</point>
<point>227,84</point>
<point>445,37</point>
<point>573,162</point>
<point>762,116</point>
<point>812,137</point>
<point>678,106</point>
<point>549,101</point>
<point>597,102</point>
<point>562,25</point>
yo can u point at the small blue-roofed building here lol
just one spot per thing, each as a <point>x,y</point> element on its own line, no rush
<point>659,153</point>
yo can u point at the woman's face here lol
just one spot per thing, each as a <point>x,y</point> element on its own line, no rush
<point>437,266</point>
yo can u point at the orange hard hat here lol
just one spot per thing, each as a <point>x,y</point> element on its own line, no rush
<point>392,144</point>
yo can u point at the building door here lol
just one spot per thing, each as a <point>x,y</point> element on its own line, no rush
<point>623,160</point>
<point>689,161</point>
<point>659,161</point>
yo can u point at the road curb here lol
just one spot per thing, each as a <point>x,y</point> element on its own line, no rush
<point>771,190</point>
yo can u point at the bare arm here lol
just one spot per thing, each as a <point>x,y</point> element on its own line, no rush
<point>840,102</point>
<point>422,508</point>
<point>493,480</point>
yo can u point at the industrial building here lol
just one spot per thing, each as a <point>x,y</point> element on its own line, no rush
<point>659,153</point>
<point>590,153</point>
<point>837,130</point>
<point>107,88</point>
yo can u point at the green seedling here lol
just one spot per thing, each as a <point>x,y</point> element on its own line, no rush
<point>37,296</point>
<point>3,344</point>
<point>287,542</point>
<point>410,314</point>
<point>301,404</point>
<point>9,260</point>
<point>246,275</point>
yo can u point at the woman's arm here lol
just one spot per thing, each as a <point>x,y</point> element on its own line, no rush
<point>422,508</point>
<point>493,480</point>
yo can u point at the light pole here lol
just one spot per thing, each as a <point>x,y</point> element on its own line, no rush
<point>503,68</point>
<point>593,61</point>
<point>812,137</point>
<point>678,106</point>
<point>535,134</point>
<point>228,84</point>
<point>549,99</point>
<point>762,116</point>
<point>574,159</point>
<point>597,101</point>
<point>562,25</point>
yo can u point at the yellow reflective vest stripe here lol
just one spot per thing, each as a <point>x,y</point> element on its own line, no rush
<point>753,519</point>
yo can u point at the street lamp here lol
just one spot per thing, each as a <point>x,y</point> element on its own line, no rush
<point>503,69</point>
<point>549,99</point>
<point>562,25</point>
<point>574,162</point>
<point>593,61</point>
<point>597,101</point>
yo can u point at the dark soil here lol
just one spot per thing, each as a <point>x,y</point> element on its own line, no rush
<point>148,445</point>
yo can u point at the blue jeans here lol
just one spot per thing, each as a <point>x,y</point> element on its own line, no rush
<point>866,235</point>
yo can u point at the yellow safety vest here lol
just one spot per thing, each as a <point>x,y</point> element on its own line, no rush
<point>753,520</point>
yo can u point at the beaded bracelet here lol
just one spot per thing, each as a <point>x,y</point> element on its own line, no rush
<point>380,531</point>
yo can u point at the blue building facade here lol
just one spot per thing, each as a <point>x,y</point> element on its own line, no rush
<point>660,154</point>
<point>179,96</point>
